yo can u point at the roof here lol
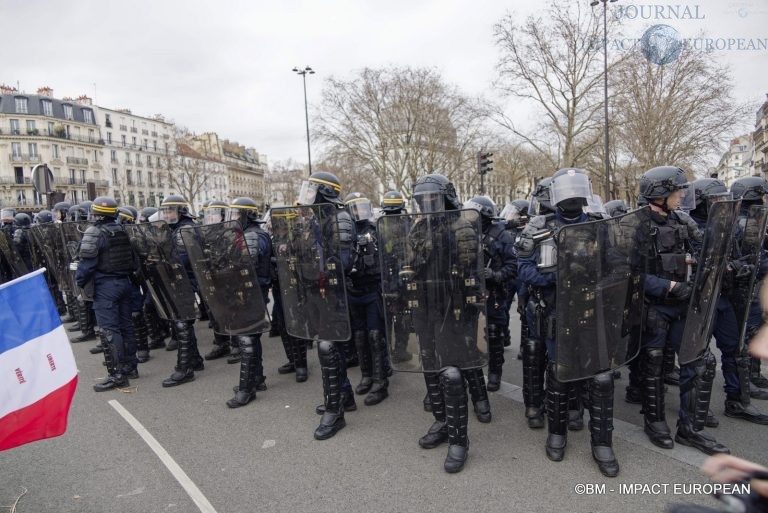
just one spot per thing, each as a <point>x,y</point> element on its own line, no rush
<point>35,107</point>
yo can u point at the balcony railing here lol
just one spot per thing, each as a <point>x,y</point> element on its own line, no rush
<point>24,158</point>
<point>129,181</point>
<point>59,134</point>
<point>134,130</point>
<point>77,161</point>
<point>13,180</point>
<point>108,124</point>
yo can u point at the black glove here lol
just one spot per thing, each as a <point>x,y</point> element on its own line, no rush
<point>744,271</point>
<point>681,290</point>
<point>491,275</point>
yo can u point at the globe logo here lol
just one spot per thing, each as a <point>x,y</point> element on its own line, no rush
<point>661,44</point>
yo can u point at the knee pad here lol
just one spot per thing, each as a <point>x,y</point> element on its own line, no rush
<point>602,383</point>
<point>325,349</point>
<point>452,381</point>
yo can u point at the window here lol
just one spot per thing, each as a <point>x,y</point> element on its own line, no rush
<point>123,138</point>
<point>149,161</point>
<point>134,141</point>
<point>68,111</point>
<point>127,158</point>
<point>149,179</point>
<point>47,107</point>
<point>109,137</point>
<point>90,135</point>
<point>88,116</point>
<point>82,176</point>
<point>95,155</point>
<point>32,149</point>
<point>18,173</point>
<point>15,127</point>
<point>146,145</point>
<point>56,154</point>
<point>158,161</point>
<point>72,179</point>
<point>31,128</point>
<point>113,155</point>
<point>107,121</point>
<point>22,197</point>
<point>128,177</point>
<point>138,177</point>
<point>38,198</point>
<point>74,196</point>
<point>16,149</point>
<point>155,144</point>
<point>114,175</point>
<point>50,128</point>
<point>21,106</point>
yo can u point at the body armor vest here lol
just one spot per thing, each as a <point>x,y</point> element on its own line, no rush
<point>117,256</point>
<point>263,260</point>
<point>669,244</point>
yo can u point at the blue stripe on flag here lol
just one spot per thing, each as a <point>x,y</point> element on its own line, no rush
<point>26,311</point>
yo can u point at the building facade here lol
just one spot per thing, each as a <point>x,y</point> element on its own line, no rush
<point>198,178</point>
<point>736,162</point>
<point>62,133</point>
<point>760,141</point>
<point>139,152</point>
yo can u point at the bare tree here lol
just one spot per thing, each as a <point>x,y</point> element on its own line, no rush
<point>678,114</point>
<point>284,180</point>
<point>554,62</point>
<point>396,124</point>
<point>189,176</point>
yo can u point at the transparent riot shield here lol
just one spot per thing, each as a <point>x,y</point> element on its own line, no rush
<point>432,281</point>
<point>599,297</point>
<point>12,257</point>
<point>72,234</point>
<point>162,270</point>
<point>226,277</point>
<point>311,264</point>
<point>743,291</point>
<point>710,265</point>
<point>49,240</point>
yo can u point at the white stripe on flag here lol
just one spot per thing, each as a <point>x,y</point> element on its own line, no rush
<point>34,369</point>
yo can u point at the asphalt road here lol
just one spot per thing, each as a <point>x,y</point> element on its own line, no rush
<point>263,458</point>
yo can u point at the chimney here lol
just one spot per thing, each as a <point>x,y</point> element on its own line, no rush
<point>45,91</point>
<point>6,89</point>
<point>84,99</point>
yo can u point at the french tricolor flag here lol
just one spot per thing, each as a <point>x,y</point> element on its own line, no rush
<point>38,375</point>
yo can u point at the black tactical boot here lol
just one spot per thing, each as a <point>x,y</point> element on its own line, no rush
<point>141,334</point>
<point>456,418</point>
<point>235,353</point>
<point>575,408</point>
<point>480,403</point>
<point>634,395</point>
<point>533,381</point>
<point>300,361</point>
<point>154,331</point>
<point>246,390</point>
<point>220,347</point>
<point>426,403</point>
<point>172,345</point>
<point>438,432</point>
<point>400,353</point>
<point>363,349</point>
<point>557,414</point>
<point>380,388</point>
<point>671,371</point>
<point>185,359</point>
<point>700,439</point>
<point>97,349</point>
<point>739,405</point>
<point>347,400</point>
<point>653,398</point>
<point>601,424</point>
<point>333,417</point>
<point>495,357</point>
<point>115,378</point>
<point>757,379</point>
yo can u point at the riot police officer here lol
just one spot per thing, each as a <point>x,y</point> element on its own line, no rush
<point>21,237</point>
<point>500,272</point>
<point>515,215</point>
<point>145,213</point>
<point>393,203</point>
<point>106,257</point>
<point>435,193</point>
<point>616,208</point>
<point>157,329</point>
<point>257,240</point>
<point>175,211</point>
<point>60,211</point>
<point>364,298</point>
<point>667,294</point>
<point>752,190</point>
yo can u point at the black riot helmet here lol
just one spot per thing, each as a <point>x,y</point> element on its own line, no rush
<point>127,215</point>
<point>60,210</point>
<point>616,208</point>
<point>7,215</point>
<point>22,220</point>
<point>750,189</point>
<point>359,207</point>
<point>485,206</point>
<point>540,203</point>
<point>76,213</point>
<point>44,217</point>
<point>707,191</point>
<point>145,213</point>
<point>86,205</point>
<point>661,182</point>
<point>103,207</point>
<point>215,211</point>
<point>435,193</point>
<point>393,203</point>
<point>321,187</point>
<point>244,210</point>
<point>515,213</point>
<point>570,191</point>
<point>173,208</point>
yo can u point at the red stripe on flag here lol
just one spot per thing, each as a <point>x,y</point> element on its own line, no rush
<point>45,418</point>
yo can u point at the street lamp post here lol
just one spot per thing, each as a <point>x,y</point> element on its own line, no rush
<point>605,91</point>
<point>303,73</point>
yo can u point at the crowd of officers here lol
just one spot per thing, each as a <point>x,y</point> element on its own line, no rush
<point>516,246</point>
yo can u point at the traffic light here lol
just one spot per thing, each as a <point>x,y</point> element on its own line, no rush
<point>484,163</point>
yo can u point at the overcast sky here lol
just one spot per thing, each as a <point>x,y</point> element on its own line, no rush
<point>225,66</point>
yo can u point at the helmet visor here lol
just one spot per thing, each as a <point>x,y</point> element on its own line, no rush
<point>308,193</point>
<point>213,215</point>
<point>595,205</point>
<point>169,214</point>
<point>7,214</point>
<point>570,185</point>
<point>360,209</point>
<point>688,198</point>
<point>429,201</point>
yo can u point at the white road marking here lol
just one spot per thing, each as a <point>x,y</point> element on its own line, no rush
<point>267,444</point>
<point>630,432</point>
<point>192,490</point>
